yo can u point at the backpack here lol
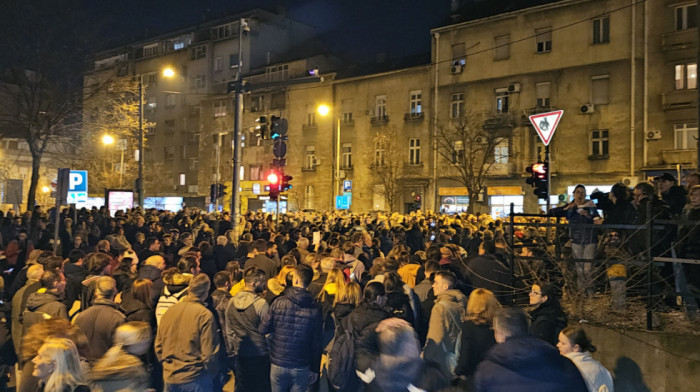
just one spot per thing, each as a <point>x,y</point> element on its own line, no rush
<point>341,360</point>
<point>453,357</point>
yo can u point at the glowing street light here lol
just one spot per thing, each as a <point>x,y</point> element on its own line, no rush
<point>107,140</point>
<point>45,189</point>
<point>168,72</point>
<point>323,110</point>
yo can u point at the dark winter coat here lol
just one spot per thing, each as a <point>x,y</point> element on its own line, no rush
<point>295,325</point>
<point>477,339</point>
<point>137,310</point>
<point>264,263</point>
<point>19,303</point>
<point>579,235</point>
<point>99,322</point>
<point>414,239</point>
<point>487,272</point>
<point>675,198</point>
<point>244,314</point>
<point>41,305</point>
<point>397,377</point>
<point>222,255</point>
<point>547,320</point>
<point>399,305</point>
<point>155,275</point>
<point>75,274</point>
<point>527,364</point>
<point>364,321</point>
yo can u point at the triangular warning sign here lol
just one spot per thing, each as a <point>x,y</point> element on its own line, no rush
<point>545,124</point>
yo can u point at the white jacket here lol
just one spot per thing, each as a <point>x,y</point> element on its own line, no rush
<point>597,377</point>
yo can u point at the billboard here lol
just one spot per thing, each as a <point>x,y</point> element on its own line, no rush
<point>119,199</point>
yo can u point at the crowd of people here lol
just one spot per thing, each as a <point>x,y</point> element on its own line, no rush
<point>183,301</point>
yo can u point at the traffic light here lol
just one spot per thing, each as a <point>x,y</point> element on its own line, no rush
<point>285,185</point>
<point>263,128</point>
<point>274,182</point>
<point>539,175</point>
<point>213,192</point>
<point>278,128</point>
<point>220,190</point>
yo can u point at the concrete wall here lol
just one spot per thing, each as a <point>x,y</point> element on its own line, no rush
<point>648,361</point>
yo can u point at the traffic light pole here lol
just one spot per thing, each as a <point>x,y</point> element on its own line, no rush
<point>237,123</point>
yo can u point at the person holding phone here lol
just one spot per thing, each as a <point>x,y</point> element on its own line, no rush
<point>584,240</point>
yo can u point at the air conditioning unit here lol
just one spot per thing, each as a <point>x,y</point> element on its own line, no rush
<point>587,108</point>
<point>630,181</point>
<point>654,135</point>
<point>456,69</point>
<point>315,161</point>
<point>514,88</point>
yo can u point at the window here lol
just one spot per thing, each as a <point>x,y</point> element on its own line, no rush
<point>310,116</point>
<point>544,39</point>
<point>257,103</point>
<point>198,52</point>
<point>379,153</point>
<point>459,54</point>
<point>686,17</point>
<point>193,163</point>
<point>543,91</point>
<point>502,100</point>
<point>150,50</point>
<point>233,61</point>
<point>151,130</point>
<point>220,108</point>
<point>218,64</point>
<point>183,179</point>
<point>415,100</point>
<point>183,151</point>
<point>686,76</point>
<point>150,80</point>
<point>198,81</point>
<point>457,151</point>
<point>277,73</point>
<point>346,106</point>
<point>151,104</point>
<point>601,30</point>
<point>501,47</point>
<point>500,152</point>
<point>414,151</point>
<point>685,136</point>
<point>277,101</point>
<point>599,89</point>
<point>347,156</point>
<point>223,31</point>
<point>380,106</point>
<point>599,143</point>
<point>168,153</point>
<point>309,196</point>
<point>170,100</point>
<point>255,173</point>
<point>169,126</point>
<point>310,158</point>
<point>456,105</point>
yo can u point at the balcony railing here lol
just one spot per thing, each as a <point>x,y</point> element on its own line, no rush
<point>379,119</point>
<point>413,116</point>
<point>679,99</point>
<point>673,157</point>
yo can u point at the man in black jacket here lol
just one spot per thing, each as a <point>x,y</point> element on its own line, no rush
<point>524,363</point>
<point>152,269</point>
<point>295,325</point>
<point>260,260</point>
<point>47,301</point>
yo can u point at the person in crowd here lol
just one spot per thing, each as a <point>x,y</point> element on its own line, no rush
<point>584,240</point>
<point>689,238</point>
<point>477,334</point>
<point>346,301</point>
<point>152,270</point>
<point>399,366</point>
<point>294,324</point>
<point>260,259</point>
<point>397,301</point>
<point>206,261</point>
<point>151,247</point>
<point>189,351</point>
<point>125,273</point>
<point>121,369</point>
<point>57,366</point>
<point>98,265</point>
<point>249,347</point>
<point>644,198</point>
<point>363,321</point>
<point>547,317</point>
<point>101,319</point>
<point>47,302</point>
<point>75,272</point>
<point>671,193</point>
<point>445,323</point>
<point>486,271</point>
<point>316,286</point>
<point>19,302</point>
<point>575,345</point>
<point>426,285</point>
<point>136,303</point>
<point>175,290</point>
<point>222,252</point>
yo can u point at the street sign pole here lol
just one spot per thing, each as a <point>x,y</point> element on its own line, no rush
<point>549,177</point>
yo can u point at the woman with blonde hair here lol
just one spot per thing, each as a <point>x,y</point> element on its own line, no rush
<point>57,366</point>
<point>346,300</point>
<point>477,335</point>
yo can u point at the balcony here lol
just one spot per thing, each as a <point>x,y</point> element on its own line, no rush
<point>679,99</point>
<point>347,123</point>
<point>379,120</point>
<point>673,157</point>
<point>414,116</point>
<point>308,127</point>
<point>498,121</point>
<point>525,118</point>
<point>680,44</point>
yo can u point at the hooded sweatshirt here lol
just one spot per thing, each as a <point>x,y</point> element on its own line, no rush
<point>444,328</point>
<point>43,305</point>
<point>243,315</point>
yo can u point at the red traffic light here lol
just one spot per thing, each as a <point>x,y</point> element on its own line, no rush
<point>273,178</point>
<point>539,170</point>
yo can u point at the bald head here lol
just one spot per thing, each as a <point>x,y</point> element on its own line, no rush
<point>106,287</point>
<point>156,261</point>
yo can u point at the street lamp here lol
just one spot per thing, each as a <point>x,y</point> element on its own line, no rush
<point>325,110</point>
<point>108,140</point>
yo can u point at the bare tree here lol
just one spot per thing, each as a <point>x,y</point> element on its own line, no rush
<point>468,144</point>
<point>387,159</point>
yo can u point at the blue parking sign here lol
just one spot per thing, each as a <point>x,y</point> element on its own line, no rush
<point>78,186</point>
<point>342,202</point>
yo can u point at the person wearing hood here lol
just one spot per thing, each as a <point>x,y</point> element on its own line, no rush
<point>445,323</point>
<point>364,320</point>
<point>120,368</point>
<point>523,363</point>
<point>75,272</point>
<point>294,324</point>
<point>100,320</point>
<point>243,316</point>
<point>47,302</point>
<point>548,318</point>
<point>152,269</point>
<point>584,240</point>
<point>174,291</point>
<point>19,301</point>
<point>399,366</point>
<point>97,265</point>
